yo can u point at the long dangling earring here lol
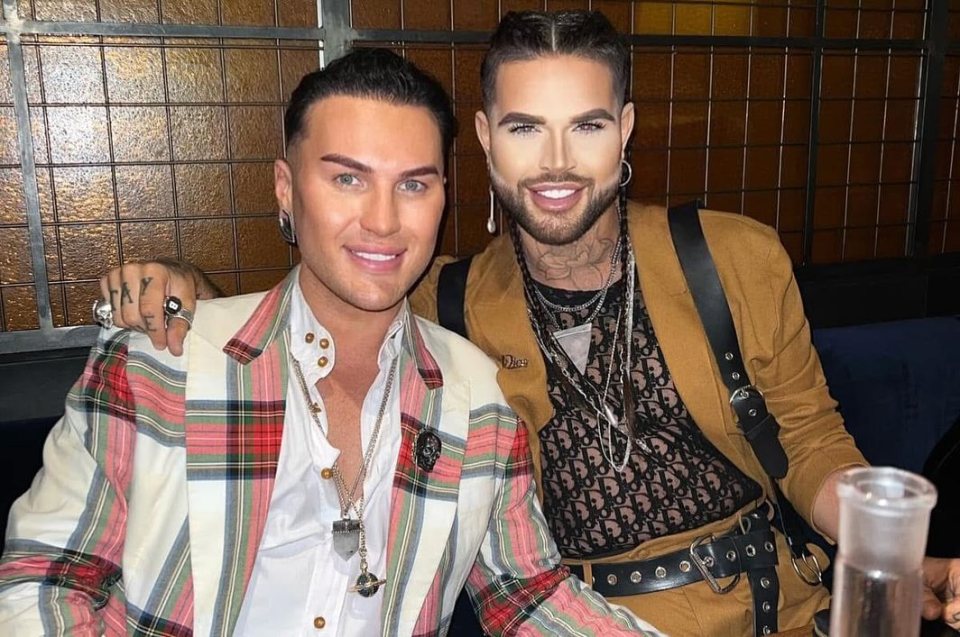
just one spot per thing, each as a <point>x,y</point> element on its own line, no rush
<point>491,220</point>
<point>626,173</point>
<point>287,230</point>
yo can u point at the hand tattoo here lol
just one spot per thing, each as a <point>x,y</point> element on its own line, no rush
<point>113,298</point>
<point>144,282</point>
<point>125,296</point>
<point>148,322</point>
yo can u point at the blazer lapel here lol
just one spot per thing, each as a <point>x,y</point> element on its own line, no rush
<point>424,504</point>
<point>674,315</point>
<point>235,404</point>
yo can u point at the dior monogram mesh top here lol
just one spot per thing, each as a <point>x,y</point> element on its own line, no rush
<point>675,479</point>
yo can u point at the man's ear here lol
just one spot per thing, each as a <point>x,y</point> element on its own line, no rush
<point>482,124</point>
<point>627,114</point>
<point>283,184</point>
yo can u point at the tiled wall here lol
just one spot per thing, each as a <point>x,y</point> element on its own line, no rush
<point>284,13</point>
<point>148,146</point>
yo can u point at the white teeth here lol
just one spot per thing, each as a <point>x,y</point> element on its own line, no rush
<point>556,194</point>
<point>375,256</point>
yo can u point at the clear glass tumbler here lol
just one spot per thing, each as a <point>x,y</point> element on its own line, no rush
<point>884,516</point>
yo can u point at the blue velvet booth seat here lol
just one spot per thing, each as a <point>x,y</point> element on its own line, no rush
<point>898,385</point>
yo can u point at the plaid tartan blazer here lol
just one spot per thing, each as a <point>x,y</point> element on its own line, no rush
<point>147,515</point>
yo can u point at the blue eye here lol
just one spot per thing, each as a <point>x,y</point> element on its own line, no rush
<point>412,185</point>
<point>346,179</point>
<point>522,129</point>
<point>590,127</point>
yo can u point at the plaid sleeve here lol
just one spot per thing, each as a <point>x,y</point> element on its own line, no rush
<point>518,585</point>
<point>65,535</point>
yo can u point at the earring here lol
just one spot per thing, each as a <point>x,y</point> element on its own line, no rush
<point>491,220</point>
<point>626,172</point>
<point>287,230</point>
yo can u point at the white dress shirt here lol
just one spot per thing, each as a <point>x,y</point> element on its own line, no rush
<point>299,585</point>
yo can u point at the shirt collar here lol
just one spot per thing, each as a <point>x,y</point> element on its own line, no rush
<point>315,349</point>
<point>271,318</point>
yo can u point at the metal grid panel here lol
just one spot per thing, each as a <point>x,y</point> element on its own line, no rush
<point>269,13</point>
<point>151,147</point>
<point>727,126</point>
<point>883,19</point>
<point>18,304</point>
<point>945,214</point>
<point>739,150</point>
<point>868,137</point>
<point>139,146</point>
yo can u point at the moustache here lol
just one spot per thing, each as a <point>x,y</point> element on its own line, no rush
<point>557,178</point>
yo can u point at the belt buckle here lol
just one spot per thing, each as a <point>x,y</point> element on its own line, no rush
<point>744,392</point>
<point>811,573</point>
<point>704,569</point>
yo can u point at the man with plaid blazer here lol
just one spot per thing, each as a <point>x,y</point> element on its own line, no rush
<point>151,512</point>
<point>147,516</point>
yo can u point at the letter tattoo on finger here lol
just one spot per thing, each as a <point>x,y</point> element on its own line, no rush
<point>144,282</point>
<point>125,296</point>
<point>113,297</point>
<point>148,322</point>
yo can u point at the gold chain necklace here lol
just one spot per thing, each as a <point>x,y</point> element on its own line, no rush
<point>349,535</point>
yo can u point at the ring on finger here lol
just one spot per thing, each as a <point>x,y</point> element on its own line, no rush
<point>173,308</point>
<point>103,313</point>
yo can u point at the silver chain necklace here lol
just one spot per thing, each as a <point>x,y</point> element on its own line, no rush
<point>606,418</point>
<point>349,535</point>
<point>598,298</point>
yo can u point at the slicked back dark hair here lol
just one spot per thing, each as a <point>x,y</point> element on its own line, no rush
<point>371,73</point>
<point>527,35</point>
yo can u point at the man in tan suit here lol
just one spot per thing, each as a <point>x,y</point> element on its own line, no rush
<point>652,492</point>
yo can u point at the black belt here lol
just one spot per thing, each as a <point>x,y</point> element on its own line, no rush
<point>750,549</point>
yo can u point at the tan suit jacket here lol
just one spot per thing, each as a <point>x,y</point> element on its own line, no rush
<point>774,335</point>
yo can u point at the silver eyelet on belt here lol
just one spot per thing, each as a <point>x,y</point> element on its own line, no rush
<point>731,555</point>
<point>766,630</point>
<point>750,550</point>
<point>768,545</point>
<point>684,566</point>
<point>660,572</point>
<point>765,582</point>
<point>766,607</point>
<point>636,577</point>
<point>612,579</point>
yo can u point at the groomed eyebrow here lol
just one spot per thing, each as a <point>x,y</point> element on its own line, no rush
<point>597,113</point>
<point>353,164</point>
<point>422,171</point>
<point>347,162</point>
<point>520,118</point>
<point>525,118</point>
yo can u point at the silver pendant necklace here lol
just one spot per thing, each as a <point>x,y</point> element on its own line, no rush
<point>349,535</point>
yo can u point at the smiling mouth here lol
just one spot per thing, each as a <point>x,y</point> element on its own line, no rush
<point>559,193</point>
<point>374,256</point>
<point>557,198</point>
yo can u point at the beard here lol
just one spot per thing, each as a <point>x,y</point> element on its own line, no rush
<point>545,228</point>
